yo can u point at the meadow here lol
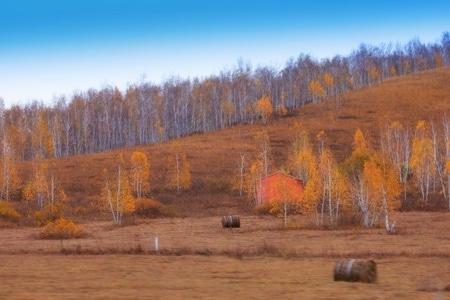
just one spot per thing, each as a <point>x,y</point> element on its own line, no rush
<point>197,258</point>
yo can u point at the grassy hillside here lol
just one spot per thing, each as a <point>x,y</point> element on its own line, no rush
<point>214,156</point>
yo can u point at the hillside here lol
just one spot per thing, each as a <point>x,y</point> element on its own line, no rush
<point>214,156</point>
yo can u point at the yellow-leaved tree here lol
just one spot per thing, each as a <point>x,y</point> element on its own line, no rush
<point>37,187</point>
<point>227,108</point>
<point>179,168</point>
<point>259,166</point>
<point>316,90</point>
<point>140,172</point>
<point>117,192</point>
<point>422,160</point>
<point>264,154</point>
<point>333,189</point>
<point>382,190</point>
<point>42,140</point>
<point>252,181</point>
<point>238,180</point>
<point>328,79</point>
<point>302,161</point>
<point>9,179</point>
<point>264,109</point>
<point>303,165</point>
<point>396,146</point>
<point>373,181</point>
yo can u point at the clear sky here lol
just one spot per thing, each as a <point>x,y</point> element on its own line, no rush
<point>50,48</point>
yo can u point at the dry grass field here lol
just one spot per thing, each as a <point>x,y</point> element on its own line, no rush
<point>197,258</point>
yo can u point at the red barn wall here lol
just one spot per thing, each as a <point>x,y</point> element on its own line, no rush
<point>278,186</point>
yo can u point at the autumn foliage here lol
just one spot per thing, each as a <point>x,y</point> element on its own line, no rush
<point>140,173</point>
<point>179,168</point>
<point>8,213</point>
<point>61,228</point>
<point>264,109</point>
<point>117,192</point>
<point>150,208</point>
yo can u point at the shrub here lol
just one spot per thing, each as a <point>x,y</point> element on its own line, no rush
<point>168,211</point>
<point>61,229</point>
<point>8,213</point>
<point>49,213</point>
<point>264,209</point>
<point>148,208</point>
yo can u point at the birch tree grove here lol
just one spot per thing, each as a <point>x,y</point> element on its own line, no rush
<point>105,119</point>
<point>108,118</point>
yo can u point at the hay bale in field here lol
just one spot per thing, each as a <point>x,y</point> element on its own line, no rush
<point>231,222</point>
<point>361,270</point>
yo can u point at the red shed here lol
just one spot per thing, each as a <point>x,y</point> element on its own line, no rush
<point>279,187</point>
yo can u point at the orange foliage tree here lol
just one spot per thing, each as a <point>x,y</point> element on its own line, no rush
<point>117,193</point>
<point>42,139</point>
<point>264,109</point>
<point>302,162</point>
<point>264,154</point>
<point>316,90</point>
<point>303,165</point>
<point>227,108</point>
<point>396,146</point>
<point>383,189</point>
<point>333,189</point>
<point>9,179</point>
<point>374,183</point>
<point>36,188</point>
<point>180,174</point>
<point>140,172</point>
<point>252,180</point>
<point>259,168</point>
<point>422,160</point>
<point>329,82</point>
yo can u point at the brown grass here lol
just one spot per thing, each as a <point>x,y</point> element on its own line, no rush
<point>197,258</point>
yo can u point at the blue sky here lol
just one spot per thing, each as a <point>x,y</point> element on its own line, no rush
<point>50,48</point>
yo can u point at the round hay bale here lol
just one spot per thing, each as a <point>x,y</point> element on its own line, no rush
<point>353,270</point>
<point>231,222</point>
